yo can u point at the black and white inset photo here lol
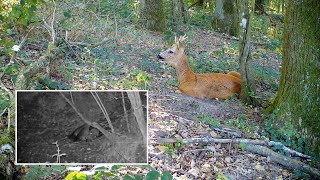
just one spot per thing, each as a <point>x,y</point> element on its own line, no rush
<point>81,127</point>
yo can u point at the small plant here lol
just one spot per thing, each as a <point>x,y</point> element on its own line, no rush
<point>170,148</point>
<point>58,154</point>
<point>143,78</point>
<point>103,172</point>
<point>213,123</point>
<point>286,134</point>
<point>240,122</point>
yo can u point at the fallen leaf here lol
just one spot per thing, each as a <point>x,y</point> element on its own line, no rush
<point>194,171</point>
<point>162,148</point>
<point>257,166</point>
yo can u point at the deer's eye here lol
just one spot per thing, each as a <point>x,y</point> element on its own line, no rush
<point>170,52</point>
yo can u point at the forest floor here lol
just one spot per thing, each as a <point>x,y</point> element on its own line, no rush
<point>129,61</point>
<point>173,115</point>
<point>179,116</point>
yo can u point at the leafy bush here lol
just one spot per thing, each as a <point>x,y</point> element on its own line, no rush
<point>100,173</point>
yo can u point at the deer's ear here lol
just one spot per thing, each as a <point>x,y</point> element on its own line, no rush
<point>180,42</point>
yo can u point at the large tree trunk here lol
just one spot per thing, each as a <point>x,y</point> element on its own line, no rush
<point>298,97</point>
<point>151,15</point>
<point>227,17</point>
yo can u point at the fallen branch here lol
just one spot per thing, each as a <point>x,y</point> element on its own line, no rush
<point>206,140</point>
<point>283,160</point>
<point>257,147</point>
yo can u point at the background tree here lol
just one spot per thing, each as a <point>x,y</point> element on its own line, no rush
<point>199,3</point>
<point>259,7</point>
<point>298,97</point>
<point>151,15</point>
<point>227,17</point>
<point>178,14</point>
<point>246,69</point>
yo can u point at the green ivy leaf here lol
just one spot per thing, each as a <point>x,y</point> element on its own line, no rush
<point>67,14</point>
<point>12,69</point>
<point>153,175</point>
<point>242,145</point>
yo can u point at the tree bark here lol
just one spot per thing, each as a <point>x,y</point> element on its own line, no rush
<point>136,104</point>
<point>248,86</point>
<point>227,18</point>
<point>298,97</point>
<point>151,15</point>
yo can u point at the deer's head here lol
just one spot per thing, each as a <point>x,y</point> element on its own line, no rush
<point>173,55</point>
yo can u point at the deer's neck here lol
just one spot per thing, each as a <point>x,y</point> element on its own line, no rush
<point>184,72</point>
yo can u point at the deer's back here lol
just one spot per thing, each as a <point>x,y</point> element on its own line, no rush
<point>214,85</point>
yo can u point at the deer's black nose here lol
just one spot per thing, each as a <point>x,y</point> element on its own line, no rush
<point>160,57</point>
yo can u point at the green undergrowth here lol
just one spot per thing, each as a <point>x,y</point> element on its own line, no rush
<point>242,122</point>
<point>282,130</point>
<point>96,173</point>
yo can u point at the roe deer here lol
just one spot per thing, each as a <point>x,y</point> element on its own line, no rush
<point>212,85</point>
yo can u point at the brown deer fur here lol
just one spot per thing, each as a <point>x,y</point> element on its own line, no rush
<point>212,85</point>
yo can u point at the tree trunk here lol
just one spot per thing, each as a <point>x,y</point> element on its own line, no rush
<point>177,15</point>
<point>227,17</point>
<point>248,86</point>
<point>151,15</point>
<point>136,105</point>
<point>182,11</point>
<point>298,97</point>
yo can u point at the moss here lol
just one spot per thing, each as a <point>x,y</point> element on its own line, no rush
<point>298,97</point>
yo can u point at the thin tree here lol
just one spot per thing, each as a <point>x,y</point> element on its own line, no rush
<point>247,76</point>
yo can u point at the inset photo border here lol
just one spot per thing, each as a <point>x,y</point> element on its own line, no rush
<point>81,127</point>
